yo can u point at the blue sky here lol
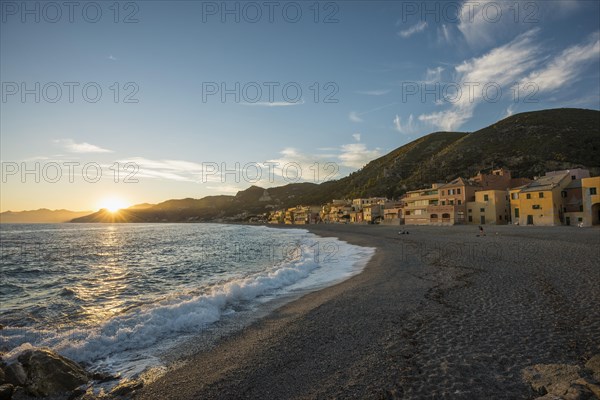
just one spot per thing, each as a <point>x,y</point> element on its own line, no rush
<point>373,76</point>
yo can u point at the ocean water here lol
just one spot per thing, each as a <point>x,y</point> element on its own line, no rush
<point>116,297</point>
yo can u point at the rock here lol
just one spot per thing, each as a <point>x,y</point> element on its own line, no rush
<point>2,376</point>
<point>49,373</point>
<point>126,387</point>
<point>19,394</point>
<point>593,364</point>
<point>591,386</point>
<point>6,391</point>
<point>15,374</point>
<point>551,378</point>
<point>102,377</point>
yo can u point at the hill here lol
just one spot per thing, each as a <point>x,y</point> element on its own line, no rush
<point>528,144</point>
<point>41,216</point>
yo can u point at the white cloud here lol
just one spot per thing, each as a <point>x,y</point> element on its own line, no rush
<point>112,58</point>
<point>444,34</point>
<point>356,155</point>
<point>354,117</point>
<point>434,75</point>
<point>502,66</point>
<point>408,128</point>
<point>356,137</point>
<point>566,67</point>
<point>379,92</point>
<point>419,27</point>
<point>71,146</point>
<point>510,111</point>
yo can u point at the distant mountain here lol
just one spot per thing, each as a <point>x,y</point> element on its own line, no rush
<point>528,144</point>
<point>43,215</point>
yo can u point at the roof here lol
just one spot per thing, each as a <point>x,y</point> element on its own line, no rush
<point>459,182</point>
<point>545,183</point>
<point>575,184</point>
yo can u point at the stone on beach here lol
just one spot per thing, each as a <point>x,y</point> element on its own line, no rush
<point>560,381</point>
<point>42,372</point>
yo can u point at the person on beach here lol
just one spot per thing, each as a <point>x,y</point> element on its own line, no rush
<point>481,232</point>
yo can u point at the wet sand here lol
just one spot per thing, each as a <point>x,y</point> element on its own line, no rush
<point>438,313</point>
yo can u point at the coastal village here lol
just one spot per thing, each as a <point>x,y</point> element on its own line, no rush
<point>567,197</point>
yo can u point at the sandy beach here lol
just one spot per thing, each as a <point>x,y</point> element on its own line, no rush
<point>437,313</point>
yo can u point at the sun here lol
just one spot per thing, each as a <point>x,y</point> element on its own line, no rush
<point>113,204</point>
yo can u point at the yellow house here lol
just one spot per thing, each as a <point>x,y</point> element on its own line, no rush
<point>489,208</point>
<point>541,202</point>
<point>591,200</point>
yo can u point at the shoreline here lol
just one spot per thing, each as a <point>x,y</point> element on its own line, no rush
<point>434,313</point>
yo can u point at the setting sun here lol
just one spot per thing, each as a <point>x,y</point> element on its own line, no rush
<point>113,204</point>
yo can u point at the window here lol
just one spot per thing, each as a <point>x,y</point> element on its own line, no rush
<point>470,210</point>
<point>516,213</point>
<point>470,218</point>
<point>486,197</point>
<point>459,202</point>
<point>563,194</point>
<point>528,196</point>
<point>443,192</point>
<point>579,219</point>
<point>573,177</point>
<point>593,191</point>
<point>541,195</point>
<point>457,191</point>
<point>581,208</point>
<point>451,202</point>
<point>443,202</point>
<point>536,207</point>
<point>482,210</point>
<point>564,209</point>
<point>514,196</point>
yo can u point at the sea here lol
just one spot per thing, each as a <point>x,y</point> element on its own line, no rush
<point>118,297</point>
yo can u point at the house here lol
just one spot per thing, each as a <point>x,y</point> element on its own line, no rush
<point>541,202</point>
<point>590,191</point>
<point>372,213</point>
<point>573,203</point>
<point>417,203</point>
<point>491,207</point>
<point>453,197</point>
<point>393,213</point>
<point>306,215</point>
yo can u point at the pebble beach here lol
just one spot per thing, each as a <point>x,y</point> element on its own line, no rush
<point>440,312</point>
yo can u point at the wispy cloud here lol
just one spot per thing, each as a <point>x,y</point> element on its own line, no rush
<point>379,92</point>
<point>522,60</point>
<point>112,58</point>
<point>419,27</point>
<point>356,137</point>
<point>357,155</point>
<point>73,147</point>
<point>354,117</point>
<point>407,128</point>
<point>566,67</point>
<point>501,66</point>
<point>357,117</point>
<point>274,103</point>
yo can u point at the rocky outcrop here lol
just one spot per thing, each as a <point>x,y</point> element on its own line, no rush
<point>6,391</point>
<point>564,381</point>
<point>42,372</point>
<point>126,388</point>
<point>593,365</point>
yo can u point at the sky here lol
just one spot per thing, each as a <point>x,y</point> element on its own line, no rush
<point>108,103</point>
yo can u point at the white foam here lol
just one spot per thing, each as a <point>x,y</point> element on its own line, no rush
<point>122,343</point>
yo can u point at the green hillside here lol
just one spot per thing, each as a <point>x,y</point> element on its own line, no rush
<point>528,144</point>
